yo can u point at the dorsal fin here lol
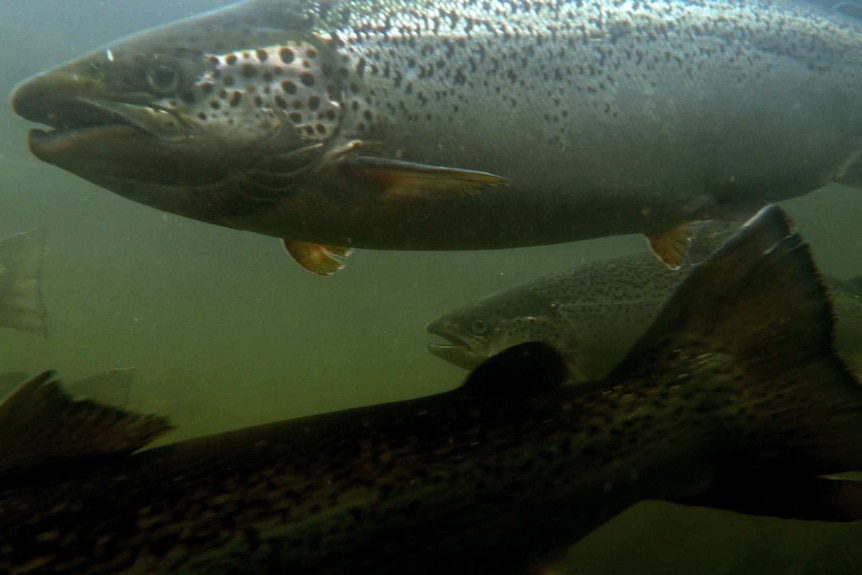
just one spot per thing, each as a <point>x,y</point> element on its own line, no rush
<point>40,424</point>
<point>755,314</point>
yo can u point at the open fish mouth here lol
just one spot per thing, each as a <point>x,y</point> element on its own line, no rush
<point>457,351</point>
<point>86,120</point>
<point>77,119</point>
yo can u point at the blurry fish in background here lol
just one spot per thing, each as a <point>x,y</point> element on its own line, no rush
<point>378,124</point>
<point>595,312</point>
<point>491,477</point>
<point>112,387</point>
<point>21,306</point>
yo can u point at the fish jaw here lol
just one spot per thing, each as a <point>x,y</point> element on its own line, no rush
<point>171,108</point>
<point>462,350</point>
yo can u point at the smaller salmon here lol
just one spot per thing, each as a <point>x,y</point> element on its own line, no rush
<point>593,313</point>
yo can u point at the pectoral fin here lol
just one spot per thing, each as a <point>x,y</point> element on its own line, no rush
<point>406,179</point>
<point>318,258</point>
<point>671,246</point>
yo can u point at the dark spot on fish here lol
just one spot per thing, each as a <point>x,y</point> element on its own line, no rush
<point>216,74</point>
<point>286,55</point>
<point>215,104</point>
<point>367,115</point>
<point>295,117</point>
<point>258,101</point>
<point>202,116</point>
<point>262,55</point>
<point>298,104</point>
<point>313,103</point>
<point>207,88</point>
<point>187,97</point>
<point>222,94</point>
<point>249,71</point>
<point>354,105</point>
<point>321,129</point>
<point>311,52</point>
<point>288,87</point>
<point>330,114</point>
<point>281,102</point>
<point>228,80</point>
<point>231,60</point>
<point>309,130</point>
<point>360,127</point>
<point>235,99</point>
<point>307,79</point>
<point>267,76</point>
<point>214,61</point>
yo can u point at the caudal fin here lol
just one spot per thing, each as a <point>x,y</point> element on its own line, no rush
<point>753,322</point>
<point>20,275</point>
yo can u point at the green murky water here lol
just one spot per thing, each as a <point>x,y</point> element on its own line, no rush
<point>226,331</point>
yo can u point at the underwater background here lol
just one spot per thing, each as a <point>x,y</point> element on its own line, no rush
<point>226,331</point>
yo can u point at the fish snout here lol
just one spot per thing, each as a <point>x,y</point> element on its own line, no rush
<point>458,350</point>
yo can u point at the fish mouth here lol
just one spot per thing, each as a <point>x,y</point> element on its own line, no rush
<point>458,351</point>
<point>75,120</point>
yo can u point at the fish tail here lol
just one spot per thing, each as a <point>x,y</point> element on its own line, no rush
<point>20,282</point>
<point>756,315</point>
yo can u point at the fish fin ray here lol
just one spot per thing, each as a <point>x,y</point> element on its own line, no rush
<point>757,315</point>
<point>112,387</point>
<point>671,246</point>
<point>40,425</point>
<point>398,179</point>
<point>21,305</point>
<point>321,259</point>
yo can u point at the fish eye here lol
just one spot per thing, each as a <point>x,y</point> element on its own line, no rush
<point>479,327</point>
<point>163,79</point>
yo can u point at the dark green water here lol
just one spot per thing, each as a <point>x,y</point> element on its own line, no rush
<point>226,331</point>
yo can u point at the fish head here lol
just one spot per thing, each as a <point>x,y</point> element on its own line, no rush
<point>212,101</point>
<point>494,323</point>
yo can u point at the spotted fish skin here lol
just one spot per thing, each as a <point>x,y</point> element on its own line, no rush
<point>484,478</point>
<point>593,313</point>
<point>601,117</point>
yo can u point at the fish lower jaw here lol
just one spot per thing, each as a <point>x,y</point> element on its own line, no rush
<point>457,354</point>
<point>49,144</point>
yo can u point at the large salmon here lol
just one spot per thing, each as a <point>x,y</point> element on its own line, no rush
<point>391,124</point>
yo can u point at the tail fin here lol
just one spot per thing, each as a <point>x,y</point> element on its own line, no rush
<point>755,316</point>
<point>20,273</point>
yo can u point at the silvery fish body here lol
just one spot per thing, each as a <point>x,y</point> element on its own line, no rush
<point>594,312</point>
<point>462,125</point>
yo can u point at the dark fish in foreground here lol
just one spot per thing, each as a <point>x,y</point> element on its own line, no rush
<point>593,313</point>
<point>20,273</point>
<point>394,125</point>
<point>735,379</point>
